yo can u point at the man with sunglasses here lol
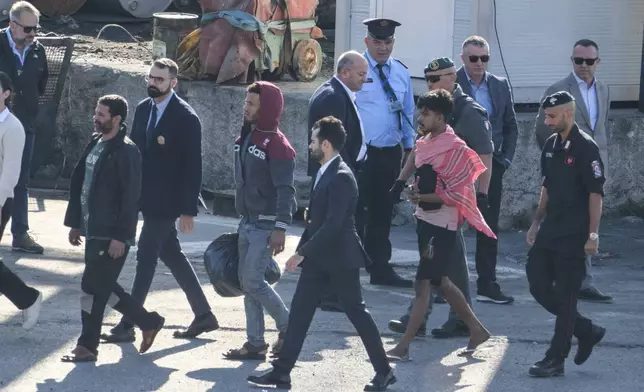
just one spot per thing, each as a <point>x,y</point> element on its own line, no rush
<point>23,58</point>
<point>167,131</point>
<point>593,103</point>
<point>493,93</point>
<point>469,121</point>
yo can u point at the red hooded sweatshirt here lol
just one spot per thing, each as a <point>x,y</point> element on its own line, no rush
<point>265,165</point>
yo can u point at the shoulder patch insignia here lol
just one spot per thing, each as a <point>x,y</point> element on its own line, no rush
<point>597,169</point>
<point>401,63</point>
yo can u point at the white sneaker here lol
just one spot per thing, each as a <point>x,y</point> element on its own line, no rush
<point>31,314</point>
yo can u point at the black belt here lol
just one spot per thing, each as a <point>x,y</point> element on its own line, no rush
<point>383,149</point>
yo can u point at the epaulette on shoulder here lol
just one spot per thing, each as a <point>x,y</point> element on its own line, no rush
<point>401,63</point>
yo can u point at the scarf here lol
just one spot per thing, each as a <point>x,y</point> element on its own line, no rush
<point>457,167</point>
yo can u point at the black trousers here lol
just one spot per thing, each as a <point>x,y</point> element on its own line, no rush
<point>375,206</point>
<point>344,283</point>
<point>11,286</point>
<point>555,271</point>
<point>159,239</point>
<point>100,288</point>
<point>487,248</point>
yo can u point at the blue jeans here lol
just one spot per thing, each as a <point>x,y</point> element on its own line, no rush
<point>19,217</point>
<point>254,257</point>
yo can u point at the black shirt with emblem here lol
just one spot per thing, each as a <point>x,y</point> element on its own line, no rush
<point>571,170</point>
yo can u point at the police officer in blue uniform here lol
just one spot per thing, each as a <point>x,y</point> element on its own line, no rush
<point>386,106</point>
<point>571,203</point>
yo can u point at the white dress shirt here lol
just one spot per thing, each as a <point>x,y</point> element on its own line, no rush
<point>323,169</point>
<point>589,95</point>
<point>352,96</point>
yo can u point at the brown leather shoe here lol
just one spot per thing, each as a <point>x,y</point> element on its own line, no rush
<point>149,336</point>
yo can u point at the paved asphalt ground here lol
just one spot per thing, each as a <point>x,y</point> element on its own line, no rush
<point>333,358</point>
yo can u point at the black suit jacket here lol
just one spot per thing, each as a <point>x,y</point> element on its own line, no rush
<point>331,99</point>
<point>503,120</point>
<point>330,240</point>
<point>171,159</point>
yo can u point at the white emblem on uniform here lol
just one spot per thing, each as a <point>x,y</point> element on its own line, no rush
<point>597,169</point>
<point>553,100</point>
<point>567,144</point>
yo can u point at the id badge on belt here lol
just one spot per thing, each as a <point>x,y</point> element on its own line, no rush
<point>395,106</point>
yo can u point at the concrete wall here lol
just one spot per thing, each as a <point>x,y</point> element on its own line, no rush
<point>220,110</point>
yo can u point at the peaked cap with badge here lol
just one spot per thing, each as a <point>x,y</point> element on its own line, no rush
<point>380,28</point>
<point>438,64</point>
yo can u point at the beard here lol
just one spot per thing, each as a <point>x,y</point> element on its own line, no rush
<point>154,92</point>
<point>317,154</point>
<point>103,128</point>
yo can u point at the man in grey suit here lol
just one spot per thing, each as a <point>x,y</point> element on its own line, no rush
<point>593,101</point>
<point>493,93</point>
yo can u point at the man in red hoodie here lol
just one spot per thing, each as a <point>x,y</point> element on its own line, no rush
<point>265,198</point>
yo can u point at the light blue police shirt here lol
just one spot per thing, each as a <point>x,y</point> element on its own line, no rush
<point>381,126</point>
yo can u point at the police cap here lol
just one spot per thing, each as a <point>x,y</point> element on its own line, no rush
<point>556,99</point>
<point>381,28</point>
<point>439,63</point>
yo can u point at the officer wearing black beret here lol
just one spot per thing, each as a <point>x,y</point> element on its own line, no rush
<point>571,203</point>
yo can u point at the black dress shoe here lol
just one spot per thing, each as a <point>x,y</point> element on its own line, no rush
<point>199,325</point>
<point>451,329</point>
<point>594,295</point>
<point>381,381</point>
<point>400,326</point>
<point>549,367</point>
<point>585,346</point>
<point>389,278</point>
<point>271,379</point>
<point>118,334</point>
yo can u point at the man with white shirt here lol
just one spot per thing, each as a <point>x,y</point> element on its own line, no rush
<point>336,98</point>
<point>12,141</point>
<point>593,102</point>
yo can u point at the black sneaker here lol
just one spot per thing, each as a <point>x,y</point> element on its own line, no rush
<point>400,326</point>
<point>26,243</point>
<point>492,293</point>
<point>549,367</point>
<point>451,329</point>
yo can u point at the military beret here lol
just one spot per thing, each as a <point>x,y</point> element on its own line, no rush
<point>381,28</point>
<point>556,99</point>
<point>439,63</point>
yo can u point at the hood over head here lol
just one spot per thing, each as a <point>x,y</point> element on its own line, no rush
<point>271,103</point>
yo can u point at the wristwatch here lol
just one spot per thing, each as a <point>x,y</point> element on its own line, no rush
<point>593,236</point>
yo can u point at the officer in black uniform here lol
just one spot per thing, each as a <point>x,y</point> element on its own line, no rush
<point>571,202</point>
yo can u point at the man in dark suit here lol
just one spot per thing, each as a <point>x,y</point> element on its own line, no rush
<point>167,131</point>
<point>493,93</point>
<point>331,255</point>
<point>336,97</point>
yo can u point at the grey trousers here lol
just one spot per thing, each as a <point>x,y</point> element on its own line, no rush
<point>458,273</point>
<point>589,280</point>
<point>254,257</point>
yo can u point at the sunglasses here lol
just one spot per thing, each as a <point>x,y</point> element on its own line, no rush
<point>436,78</point>
<point>474,59</point>
<point>28,29</point>
<point>589,62</point>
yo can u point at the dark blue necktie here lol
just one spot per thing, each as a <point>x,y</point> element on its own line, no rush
<point>153,121</point>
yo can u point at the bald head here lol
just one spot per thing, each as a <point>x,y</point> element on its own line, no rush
<point>352,70</point>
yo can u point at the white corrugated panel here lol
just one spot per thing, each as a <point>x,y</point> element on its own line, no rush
<point>360,10</point>
<point>536,37</point>
<point>462,21</point>
<point>427,30</point>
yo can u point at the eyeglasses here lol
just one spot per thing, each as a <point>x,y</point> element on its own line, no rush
<point>581,60</point>
<point>155,79</point>
<point>436,78</point>
<point>28,29</point>
<point>474,59</point>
